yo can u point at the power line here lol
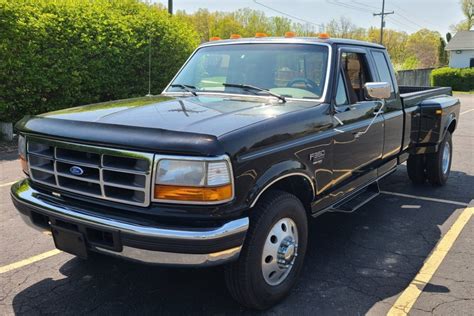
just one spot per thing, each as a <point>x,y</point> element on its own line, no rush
<point>362,7</point>
<point>346,5</point>
<point>365,4</point>
<point>382,22</point>
<point>418,18</point>
<point>401,24</point>
<point>286,14</point>
<point>408,20</point>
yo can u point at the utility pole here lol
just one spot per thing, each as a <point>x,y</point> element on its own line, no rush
<point>382,20</point>
<point>170,7</point>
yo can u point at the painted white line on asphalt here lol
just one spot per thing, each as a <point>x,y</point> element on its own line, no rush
<point>410,295</point>
<point>466,111</point>
<point>424,198</point>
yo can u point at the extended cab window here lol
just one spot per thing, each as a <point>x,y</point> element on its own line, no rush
<point>382,68</point>
<point>292,70</point>
<point>356,74</point>
<point>341,94</point>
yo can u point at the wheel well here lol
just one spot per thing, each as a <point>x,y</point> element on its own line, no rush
<point>298,186</point>
<point>452,126</point>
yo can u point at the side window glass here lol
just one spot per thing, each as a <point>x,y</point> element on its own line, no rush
<point>356,73</point>
<point>341,94</point>
<point>382,68</point>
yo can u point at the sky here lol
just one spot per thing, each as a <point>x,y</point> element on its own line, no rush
<point>410,15</point>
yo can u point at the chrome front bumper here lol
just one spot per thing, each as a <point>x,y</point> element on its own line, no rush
<point>31,202</point>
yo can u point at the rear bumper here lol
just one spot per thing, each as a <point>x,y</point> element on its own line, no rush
<point>122,237</point>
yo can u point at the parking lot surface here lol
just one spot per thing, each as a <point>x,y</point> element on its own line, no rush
<point>358,263</point>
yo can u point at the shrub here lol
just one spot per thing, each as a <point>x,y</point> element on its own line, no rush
<point>460,79</point>
<point>59,53</point>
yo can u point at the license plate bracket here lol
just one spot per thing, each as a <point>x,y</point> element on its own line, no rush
<point>70,241</point>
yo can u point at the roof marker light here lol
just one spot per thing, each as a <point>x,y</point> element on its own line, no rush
<point>290,34</point>
<point>258,34</point>
<point>323,35</point>
<point>235,36</point>
<point>215,38</point>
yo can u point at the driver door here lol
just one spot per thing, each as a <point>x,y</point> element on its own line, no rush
<point>359,133</point>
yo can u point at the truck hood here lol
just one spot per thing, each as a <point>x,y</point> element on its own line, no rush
<point>160,123</point>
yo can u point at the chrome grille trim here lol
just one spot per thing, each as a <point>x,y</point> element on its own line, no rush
<point>49,159</point>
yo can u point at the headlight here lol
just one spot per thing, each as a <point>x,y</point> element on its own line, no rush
<point>193,180</point>
<point>22,153</point>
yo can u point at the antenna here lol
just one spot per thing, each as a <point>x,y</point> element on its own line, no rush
<point>149,59</point>
<point>149,66</point>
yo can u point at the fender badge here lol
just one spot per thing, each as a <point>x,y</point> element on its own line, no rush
<point>317,157</point>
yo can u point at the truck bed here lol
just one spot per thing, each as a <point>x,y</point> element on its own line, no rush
<point>412,95</point>
<point>428,126</point>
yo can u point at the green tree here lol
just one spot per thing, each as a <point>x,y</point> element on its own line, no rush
<point>448,37</point>
<point>424,45</point>
<point>253,21</point>
<point>467,7</point>
<point>410,63</point>
<point>344,28</point>
<point>442,53</point>
<point>394,41</point>
<point>279,25</point>
<point>245,22</point>
<point>60,53</point>
<point>202,21</point>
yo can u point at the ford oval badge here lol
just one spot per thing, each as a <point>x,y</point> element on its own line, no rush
<point>77,171</point>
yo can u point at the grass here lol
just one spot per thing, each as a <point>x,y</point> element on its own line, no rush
<point>464,92</point>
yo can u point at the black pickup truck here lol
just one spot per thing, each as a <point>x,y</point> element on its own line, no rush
<point>250,139</point>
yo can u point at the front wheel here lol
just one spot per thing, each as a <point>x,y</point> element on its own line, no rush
<point>438,165</point>
<point>272,256</point>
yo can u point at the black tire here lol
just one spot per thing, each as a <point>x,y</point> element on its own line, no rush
<point>435,172</point>
<point>416,167</point>
<point>244,277</point>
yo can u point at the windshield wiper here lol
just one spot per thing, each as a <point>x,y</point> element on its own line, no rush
<point>250,87</point>
<point>186,87</point>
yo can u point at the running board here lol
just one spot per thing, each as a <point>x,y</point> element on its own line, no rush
<point>357,200</point>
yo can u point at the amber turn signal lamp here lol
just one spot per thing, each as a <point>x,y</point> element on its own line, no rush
<point>323,35</point>
<point>235,36</point>
<point>24,164</point>
<point>193,194</point>
<point>215,38</point>
<point>439,112</point>
<point>261,34</point>
<point>290,34</point>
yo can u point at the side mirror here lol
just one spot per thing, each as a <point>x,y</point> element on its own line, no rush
<point>378,90</point>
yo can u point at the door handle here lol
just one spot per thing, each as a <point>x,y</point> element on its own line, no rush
<point>378,112</point>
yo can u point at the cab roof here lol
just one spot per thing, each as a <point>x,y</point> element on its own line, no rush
<point>330,41</point>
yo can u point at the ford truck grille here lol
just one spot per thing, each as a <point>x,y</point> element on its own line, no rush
<point>105,173</point>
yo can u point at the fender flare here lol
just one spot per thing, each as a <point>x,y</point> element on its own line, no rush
<point>276,173</point>
<point>449,120</point>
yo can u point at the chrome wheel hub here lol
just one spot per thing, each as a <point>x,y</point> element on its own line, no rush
<point>286,252</point>
<point>446,158</point>
<point>280,251</point>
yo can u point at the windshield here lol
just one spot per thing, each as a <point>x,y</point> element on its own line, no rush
<point>290,70</point>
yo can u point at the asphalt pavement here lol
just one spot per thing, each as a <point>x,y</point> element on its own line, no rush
<point>359,263</point>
